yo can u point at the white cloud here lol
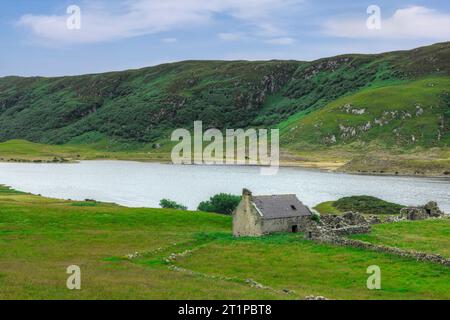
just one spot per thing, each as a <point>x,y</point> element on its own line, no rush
<point>414,22</point>
<point>281,41</point>
<point>269,30</point>
<point>102,21</point>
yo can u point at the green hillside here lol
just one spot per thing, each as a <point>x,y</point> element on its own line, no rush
<point>408,115</point>
<point>394,102</point>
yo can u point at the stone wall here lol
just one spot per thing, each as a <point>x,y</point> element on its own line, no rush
<point>333,228</point>
<point>360,229</point>
<point>285,224</point>
<point>347,224</point>
<point>418,256</point>
<point>430,210</point>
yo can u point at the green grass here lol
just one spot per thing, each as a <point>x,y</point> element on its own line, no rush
<point>327,208</point>
<point>427,236</point>
<point>378,103</point>
<point>5,190</point>
<point>366,205</point>
<point>308,268</point>
<point>41,237</point>
<point>25,151</point>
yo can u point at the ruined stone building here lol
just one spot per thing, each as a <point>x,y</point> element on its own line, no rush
<point>260,215</point>
<point>430,210</point>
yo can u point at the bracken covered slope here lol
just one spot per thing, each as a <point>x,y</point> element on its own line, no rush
<point>320,103</point>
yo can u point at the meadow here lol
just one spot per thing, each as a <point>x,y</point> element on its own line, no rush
<point>129,253</point>
<point>425,236</point>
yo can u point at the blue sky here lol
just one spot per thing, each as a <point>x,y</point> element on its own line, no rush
<point>124,34</point>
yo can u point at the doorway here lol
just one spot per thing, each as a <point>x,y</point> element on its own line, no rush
<point>294,229</point>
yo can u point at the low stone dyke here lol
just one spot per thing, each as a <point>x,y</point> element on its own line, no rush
<point>416,255</point>
<point>362,229</point>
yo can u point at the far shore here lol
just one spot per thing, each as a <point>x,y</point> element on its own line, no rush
<point>327,166</point>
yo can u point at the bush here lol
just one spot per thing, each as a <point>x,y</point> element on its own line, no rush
<point>220,203</point>
<point>367,204</point>
<point>169,204</point>
<point>315,217</point>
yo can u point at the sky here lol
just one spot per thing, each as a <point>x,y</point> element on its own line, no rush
<point>61,37</point>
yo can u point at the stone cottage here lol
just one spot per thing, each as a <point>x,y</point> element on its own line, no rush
<point>259,215</point>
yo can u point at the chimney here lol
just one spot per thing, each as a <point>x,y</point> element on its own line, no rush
<point>246,192</point>
<point>247,198</point>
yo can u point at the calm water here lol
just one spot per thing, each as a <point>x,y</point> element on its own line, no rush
<point>137,184</point>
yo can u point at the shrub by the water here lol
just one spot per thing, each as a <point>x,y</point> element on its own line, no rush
<point>220,203</point>
<point>368,205</point>
<point>170,204</point>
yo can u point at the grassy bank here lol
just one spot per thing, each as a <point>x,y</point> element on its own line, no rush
<point>25,151</point>
<point>431,163</point>
<point>41,237</point>
<point>365,205</point>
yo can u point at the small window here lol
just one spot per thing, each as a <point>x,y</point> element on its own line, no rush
<point>293,207</point>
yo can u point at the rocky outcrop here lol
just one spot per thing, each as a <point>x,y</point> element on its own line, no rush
<point>330,139</point>
<point>348,132</point>
<point>325,65</point>
<point>348,108</point>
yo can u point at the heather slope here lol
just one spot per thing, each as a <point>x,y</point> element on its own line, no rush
<point>332,109</point>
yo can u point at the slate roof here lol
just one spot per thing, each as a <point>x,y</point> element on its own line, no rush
<point>280,206</point>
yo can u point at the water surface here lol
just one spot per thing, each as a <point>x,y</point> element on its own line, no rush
<point>138,184</point>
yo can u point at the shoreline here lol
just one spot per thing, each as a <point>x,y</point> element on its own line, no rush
<point>323,166</point>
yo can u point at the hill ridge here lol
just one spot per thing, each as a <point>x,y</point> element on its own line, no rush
<point>142,106</point>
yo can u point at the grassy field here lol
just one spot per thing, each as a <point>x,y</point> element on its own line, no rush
<point>41,237</point>
<point>427,236</point>
<point>25,151</point>
<point>287,262</point>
